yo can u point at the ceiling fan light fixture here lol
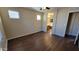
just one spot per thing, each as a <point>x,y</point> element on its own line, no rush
<point>43,8</point>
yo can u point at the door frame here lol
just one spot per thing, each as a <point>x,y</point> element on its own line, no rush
<point>44,23</point>
<point>67,21</point>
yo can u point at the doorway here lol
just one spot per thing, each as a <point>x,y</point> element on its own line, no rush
<point>72,25</point>
<point>49,22</point>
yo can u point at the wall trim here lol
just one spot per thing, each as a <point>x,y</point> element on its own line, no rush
<point>23,35</point>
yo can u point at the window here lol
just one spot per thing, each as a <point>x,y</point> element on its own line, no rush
<point>13,14</point>
<point>38,17</point>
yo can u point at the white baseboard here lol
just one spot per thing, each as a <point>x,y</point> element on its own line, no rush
<point>21,36</point>
<point>15,37</point>
<point>71,34</point>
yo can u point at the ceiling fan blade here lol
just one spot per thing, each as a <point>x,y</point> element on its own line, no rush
<point>47,8</point>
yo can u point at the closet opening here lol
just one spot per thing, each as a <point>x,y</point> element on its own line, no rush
<point>72,25</point>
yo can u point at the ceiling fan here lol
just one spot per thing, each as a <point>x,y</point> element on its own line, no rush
<point>42,8</point>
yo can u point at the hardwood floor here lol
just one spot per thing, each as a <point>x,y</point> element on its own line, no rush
<point>41,42</point>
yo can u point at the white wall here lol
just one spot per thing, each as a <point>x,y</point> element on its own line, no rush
<point>44,22</point>
<point>27,24</point>
<point>61,22</point>
<point>62,19</point>
<point>3,41</point>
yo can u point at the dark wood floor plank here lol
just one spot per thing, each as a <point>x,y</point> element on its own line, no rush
<point>41,42</point>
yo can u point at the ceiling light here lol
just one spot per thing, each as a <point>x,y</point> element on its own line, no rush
<point>43,8</point>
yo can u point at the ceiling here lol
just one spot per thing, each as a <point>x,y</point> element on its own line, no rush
<point>38,9</point>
